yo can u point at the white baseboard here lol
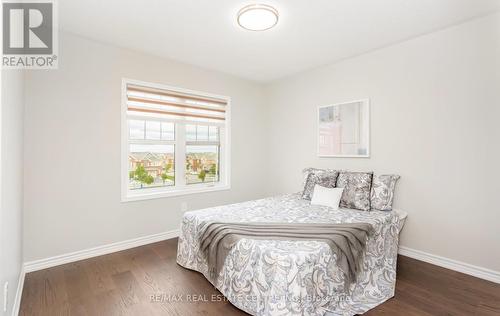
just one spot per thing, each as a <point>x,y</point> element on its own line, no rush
<point>479,272</point>
<point>19,293</point>
<point>41,264</point>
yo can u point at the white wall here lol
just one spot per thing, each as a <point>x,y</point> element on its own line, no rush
<point>72,148</point>
<point>11,175</point>
<point>434,120</point>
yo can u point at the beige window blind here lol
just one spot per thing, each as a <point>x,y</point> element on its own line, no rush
<point>174,105</point>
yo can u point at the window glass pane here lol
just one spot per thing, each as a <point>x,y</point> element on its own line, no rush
<point>153,130</point>
<point>151,166</point>
<point>190,132</point>
<point>202,164</point>
<point>213,133</point>
<point>202,133</point>
<point>136,129</point>
<point>167,131</point>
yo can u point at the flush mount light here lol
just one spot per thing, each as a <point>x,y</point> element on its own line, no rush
<point>257,17</point>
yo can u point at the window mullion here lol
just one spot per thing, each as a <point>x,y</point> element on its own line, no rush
<point>222,155</point>
<point>180,155</point>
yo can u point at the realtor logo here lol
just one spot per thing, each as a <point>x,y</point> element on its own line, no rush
<point>29,34</point>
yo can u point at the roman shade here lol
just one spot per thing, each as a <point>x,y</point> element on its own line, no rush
<point>174,105</point>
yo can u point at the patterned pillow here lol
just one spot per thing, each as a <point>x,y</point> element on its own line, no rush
<point>357,186</point>
<point>307,171</point>
<point>325,178</point>
<point>382,193</point>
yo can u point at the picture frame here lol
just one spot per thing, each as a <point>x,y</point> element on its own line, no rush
<point>344,129</point>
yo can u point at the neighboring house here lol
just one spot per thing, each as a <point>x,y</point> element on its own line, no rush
<point>152,162</point>
<point>198,164</point>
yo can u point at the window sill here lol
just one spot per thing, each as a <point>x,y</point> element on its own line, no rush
<point>130,197</point>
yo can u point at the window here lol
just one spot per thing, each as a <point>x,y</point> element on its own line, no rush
<point>202,154</point>
<point>174,141</point>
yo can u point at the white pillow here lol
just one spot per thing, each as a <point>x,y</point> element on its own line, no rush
<point>326,196</point>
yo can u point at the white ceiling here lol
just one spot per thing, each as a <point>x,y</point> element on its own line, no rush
<point>309,33</point>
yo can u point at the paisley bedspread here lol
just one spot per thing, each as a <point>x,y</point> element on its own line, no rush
<point>277,277</point>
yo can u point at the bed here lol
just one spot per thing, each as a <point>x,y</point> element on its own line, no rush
<point>285,277</point>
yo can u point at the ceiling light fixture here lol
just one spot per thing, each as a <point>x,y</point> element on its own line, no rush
<point>257,17</point>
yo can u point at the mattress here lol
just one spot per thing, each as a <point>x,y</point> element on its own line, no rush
<point>280,277</point>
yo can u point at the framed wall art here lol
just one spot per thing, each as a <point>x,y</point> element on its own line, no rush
<point>344,129</point>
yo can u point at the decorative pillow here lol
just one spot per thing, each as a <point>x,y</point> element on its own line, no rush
<point>326,196</point>
<point>307,171</point>
<point>325,178</point>
<point>382,193</point>
<point>357,186</point>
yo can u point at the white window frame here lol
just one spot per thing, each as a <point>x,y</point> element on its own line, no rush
<point>180,187</point>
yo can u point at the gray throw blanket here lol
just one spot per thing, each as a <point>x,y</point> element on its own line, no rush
<point>347,241</point>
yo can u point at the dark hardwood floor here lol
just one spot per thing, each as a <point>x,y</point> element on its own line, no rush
<point>122,284</point>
